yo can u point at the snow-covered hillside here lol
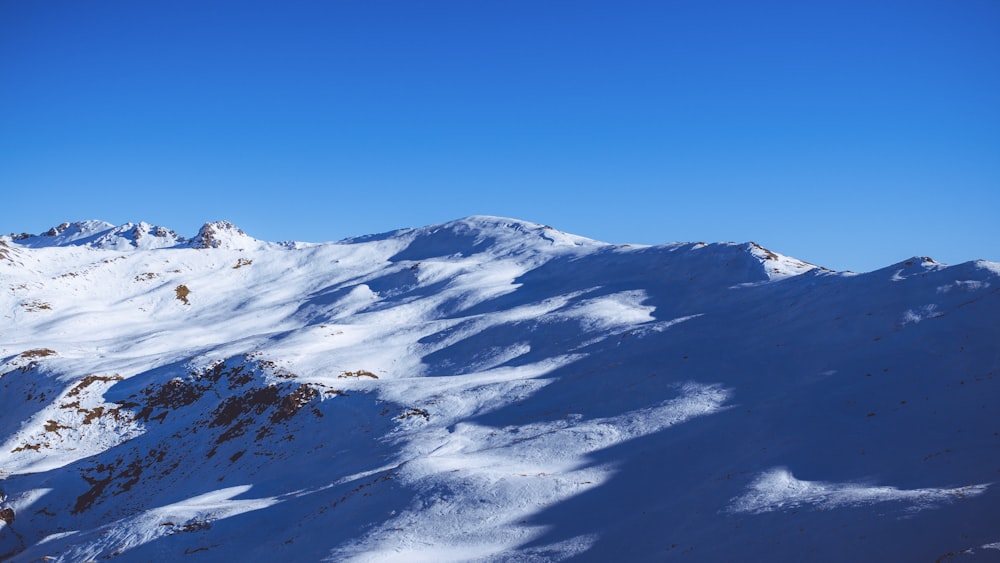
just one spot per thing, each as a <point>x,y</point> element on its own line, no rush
<point>490,390</point>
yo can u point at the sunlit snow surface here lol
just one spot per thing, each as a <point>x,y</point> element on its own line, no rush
<point>778,489</point>
<point>490,390</point>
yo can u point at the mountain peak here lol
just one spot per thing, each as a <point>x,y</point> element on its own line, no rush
<point>221,234</point>
<point>65,234</point>
<point>102,234</point>
<point>778,266</point>
<point>138,235</point>
<point>485,233</point>
<point>130,236</point>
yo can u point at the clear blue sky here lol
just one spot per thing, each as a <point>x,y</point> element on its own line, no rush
<point>850,134</point>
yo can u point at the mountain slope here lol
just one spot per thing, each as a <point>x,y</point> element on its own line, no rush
<point>490,389</point>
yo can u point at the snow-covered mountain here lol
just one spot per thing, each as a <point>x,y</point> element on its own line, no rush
<point>104,235</point>
<point>493,390</point>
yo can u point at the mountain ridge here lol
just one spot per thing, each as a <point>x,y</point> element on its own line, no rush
<point>490,389</point>
<point>222,233</point>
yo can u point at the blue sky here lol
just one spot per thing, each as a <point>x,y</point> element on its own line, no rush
<point>850,134</point>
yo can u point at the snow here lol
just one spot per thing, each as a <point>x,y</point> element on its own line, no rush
<point>80,232</point>
<point>778,266</point>
<point>967,286</point>
<point>778,489</point>
<point>488,389</point>
<point>916,315</point>
<point>196,513</point>
<point>988,266</point>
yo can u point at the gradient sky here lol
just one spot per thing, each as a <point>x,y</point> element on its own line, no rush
<point>849,134</point>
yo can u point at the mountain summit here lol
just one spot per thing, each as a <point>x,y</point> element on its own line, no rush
<point>221,234</point>
<point>103,235</point>
<point>489,389</point>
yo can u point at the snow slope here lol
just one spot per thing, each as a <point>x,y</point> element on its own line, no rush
<point>489,389</point>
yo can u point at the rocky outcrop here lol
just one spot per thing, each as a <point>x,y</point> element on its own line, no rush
<point>221,234</point>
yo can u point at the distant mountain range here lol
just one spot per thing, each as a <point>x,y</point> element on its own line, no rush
<point>489,389</point>
<point>105,236</point>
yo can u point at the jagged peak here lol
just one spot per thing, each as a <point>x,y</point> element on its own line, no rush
<point>77,233</point>
<point>221,234</point>
<point>129,236</point>
<point>138,235</point>
<point>103,235</point>
<point>78,227</point>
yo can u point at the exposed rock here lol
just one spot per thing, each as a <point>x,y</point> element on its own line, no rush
<point>220,234</point>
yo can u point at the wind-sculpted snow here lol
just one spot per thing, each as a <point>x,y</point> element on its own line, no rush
<point>778,489</point>
<point>488,389</point>
<point>520,467</point>
<point>189,515</point>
